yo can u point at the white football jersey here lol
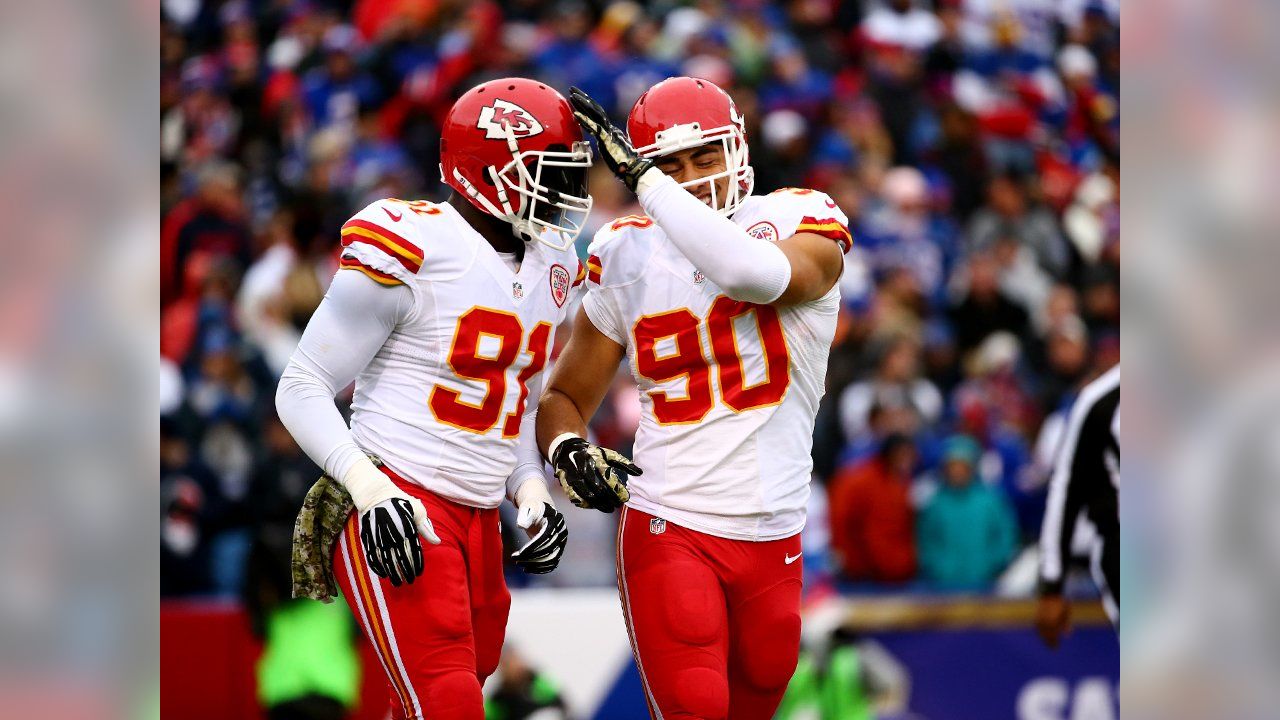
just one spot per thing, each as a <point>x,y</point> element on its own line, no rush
<point>442,400</point>
<point>729,390</point>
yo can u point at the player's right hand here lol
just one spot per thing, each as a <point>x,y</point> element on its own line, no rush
<point>392,524</point>
<point>615,148</point>
<point>592,476</point>
<point>1053,619</point>
<point>390,539</point>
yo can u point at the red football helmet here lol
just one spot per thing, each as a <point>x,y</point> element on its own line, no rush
<point>514,149</point>
<point>683,112</point>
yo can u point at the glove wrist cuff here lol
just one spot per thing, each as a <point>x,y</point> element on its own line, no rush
<point>650,179</point>
<point>557,442</point>
<point>367,485</point>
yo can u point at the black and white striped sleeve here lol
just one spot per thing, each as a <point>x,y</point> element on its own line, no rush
<point>1085,477</point>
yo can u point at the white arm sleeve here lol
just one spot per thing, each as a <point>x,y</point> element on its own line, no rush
<point>347,330</point>
<point>746,268</point>
<point>529,463</point>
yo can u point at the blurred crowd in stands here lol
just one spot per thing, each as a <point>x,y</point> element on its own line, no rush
<point>972,143</point>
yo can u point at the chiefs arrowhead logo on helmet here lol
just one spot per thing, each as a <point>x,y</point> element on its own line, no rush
<point>513,149</point>
<point>495,119</point>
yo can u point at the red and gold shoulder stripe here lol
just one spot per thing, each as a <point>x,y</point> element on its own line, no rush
<point>635,221</point>
<point>581,275</point>
<point>594,268</point>
<point>828,228</point>
<point>405,252</point>
<point>346,262</point>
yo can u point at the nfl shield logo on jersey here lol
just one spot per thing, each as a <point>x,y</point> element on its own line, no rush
<point>517,290</point>
<point>559,284</point>
<point>657,526</point>
<point>698,277</point>
<point>763,230</point>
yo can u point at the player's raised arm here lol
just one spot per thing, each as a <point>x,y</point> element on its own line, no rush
<point>591,476</point>
<point>795,270</point>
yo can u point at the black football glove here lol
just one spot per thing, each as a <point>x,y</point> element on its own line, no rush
<point>391,543</point>
<point>547,539</point>
<point>615,148</point>
<point>592,476</point>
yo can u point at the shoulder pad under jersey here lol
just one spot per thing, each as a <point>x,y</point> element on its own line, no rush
<point>620,250</point>
<point>797,210</point>
<point>381,242</point>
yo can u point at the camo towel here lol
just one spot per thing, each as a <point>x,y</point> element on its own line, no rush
<point>323,516</point>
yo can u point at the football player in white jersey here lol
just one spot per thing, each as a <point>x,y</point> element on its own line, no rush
<point>443,315</point>
<point>724,304</point>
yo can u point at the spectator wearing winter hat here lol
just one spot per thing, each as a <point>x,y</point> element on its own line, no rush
<point>905,233</point>
<point>785,151</point>
<point>966,534</point>
<point>1092,118</point>
<point>903,24</point>
<point>211,222</point>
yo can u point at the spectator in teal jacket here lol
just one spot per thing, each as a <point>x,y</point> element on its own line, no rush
<point>967,532</point>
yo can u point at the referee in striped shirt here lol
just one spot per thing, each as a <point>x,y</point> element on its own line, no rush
<point>1086,478</point>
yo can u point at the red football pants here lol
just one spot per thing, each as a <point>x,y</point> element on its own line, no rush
<point>714,623</point>
<point>439,638</point>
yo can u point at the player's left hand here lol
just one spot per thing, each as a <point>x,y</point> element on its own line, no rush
<point>548,536</point>
<point>619,155</point>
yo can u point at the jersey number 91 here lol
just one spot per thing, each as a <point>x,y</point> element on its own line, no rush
<point>490,368</point>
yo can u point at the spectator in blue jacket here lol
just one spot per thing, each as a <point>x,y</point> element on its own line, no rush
<point>967,532</point>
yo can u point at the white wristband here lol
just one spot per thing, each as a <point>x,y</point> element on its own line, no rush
<point>551,449</point>
<point>367,485</point>
<point>651,177</point>
<point>532,493</point>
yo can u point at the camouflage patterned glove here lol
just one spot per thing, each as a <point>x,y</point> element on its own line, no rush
<point>591,476</point>
<point>615,148</point>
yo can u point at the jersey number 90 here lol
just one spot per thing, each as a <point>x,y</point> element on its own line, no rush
<point>687,360</point>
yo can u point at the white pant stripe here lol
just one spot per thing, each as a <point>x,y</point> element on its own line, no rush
<point>358,602</point>
<point>391,641</point>
<point>626,608</point>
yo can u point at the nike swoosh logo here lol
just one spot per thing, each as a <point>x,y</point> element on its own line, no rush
<point>830,203</point>
<point>394,218</point>
<point>790,559</point>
